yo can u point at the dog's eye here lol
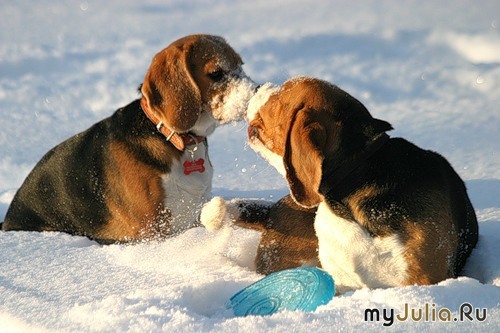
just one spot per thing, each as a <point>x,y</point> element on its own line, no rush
<point>216,75</point>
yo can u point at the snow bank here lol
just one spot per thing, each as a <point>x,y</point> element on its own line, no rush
<point>56,282</point>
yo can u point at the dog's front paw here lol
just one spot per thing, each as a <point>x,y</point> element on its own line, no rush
<point>213,214</point>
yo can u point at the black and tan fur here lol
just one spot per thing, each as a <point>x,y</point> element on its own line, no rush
<point>120,180</point>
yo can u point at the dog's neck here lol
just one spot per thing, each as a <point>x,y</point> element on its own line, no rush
<point>337,178</point>
<point>180,141</point>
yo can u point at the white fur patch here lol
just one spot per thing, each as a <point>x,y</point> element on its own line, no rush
<point>272,158</point>
<point>205,125</point>
<point>185,194</point>
<point>213,214</point>
<point>219,213</point>
<point>257,101</point>
<point>354,258</point>
<point>260,98</point>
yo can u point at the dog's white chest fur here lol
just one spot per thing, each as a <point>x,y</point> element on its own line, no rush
<point>185,193</point>
<point>354,258</point>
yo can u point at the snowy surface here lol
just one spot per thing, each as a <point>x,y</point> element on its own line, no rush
<point>432,69</point>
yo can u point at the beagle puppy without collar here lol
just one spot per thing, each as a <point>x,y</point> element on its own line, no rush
<point>143,172</point>
<point>387,213</point>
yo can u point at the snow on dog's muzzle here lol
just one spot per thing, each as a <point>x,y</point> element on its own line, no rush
<point>234,104</point>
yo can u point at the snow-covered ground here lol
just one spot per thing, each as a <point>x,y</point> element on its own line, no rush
<point>431,68</point>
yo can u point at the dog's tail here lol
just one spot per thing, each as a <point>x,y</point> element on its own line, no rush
<point>249,214</point>
<point>253,215</point>
<point>213,214</point>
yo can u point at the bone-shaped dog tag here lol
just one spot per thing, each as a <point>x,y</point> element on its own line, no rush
<point>194,166</point>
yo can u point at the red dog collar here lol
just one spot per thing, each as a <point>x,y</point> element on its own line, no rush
<point>180,141</point>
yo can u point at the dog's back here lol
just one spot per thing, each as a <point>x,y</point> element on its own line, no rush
<point>413,193</point>
<point>77,186</point>
<point>465,219</point>
<point>66,186</point>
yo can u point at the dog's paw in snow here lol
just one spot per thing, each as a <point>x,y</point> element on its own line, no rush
<point>213,214</point>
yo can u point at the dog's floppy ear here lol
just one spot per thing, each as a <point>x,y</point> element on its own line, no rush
<point>303,157</point>
<point>170,90</point>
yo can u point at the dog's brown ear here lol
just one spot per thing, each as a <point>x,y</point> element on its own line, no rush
<point>170,90</point>
<point>303,158</point>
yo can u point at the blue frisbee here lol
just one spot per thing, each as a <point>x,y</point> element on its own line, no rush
<point>303,288</point>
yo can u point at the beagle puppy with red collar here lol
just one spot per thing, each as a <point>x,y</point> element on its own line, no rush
<point>384,212</point>
<point>144,172</point>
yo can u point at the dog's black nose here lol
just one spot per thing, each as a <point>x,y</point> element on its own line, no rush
<point>257,88</point>
<point>252,132</point>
